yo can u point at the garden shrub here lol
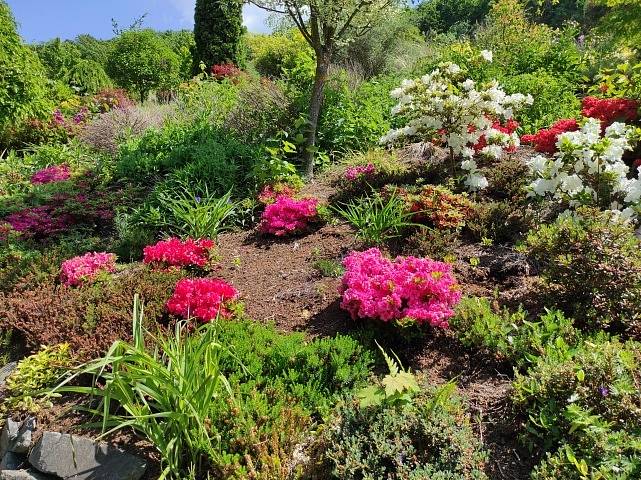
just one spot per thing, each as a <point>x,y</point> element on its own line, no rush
<point>87,77</point>
<point>417,289</point>
<point>430,437</point>
<point>261,109</point>
<point>434,243</point>
<point>86,268</point>
<point>141,61</point>
<point>501,222</point>
<point>272,55</point>
<point>589,169</point>
<point>354,118</point>
<point>386,167</point>
<point>591,266</point>
<point>437,206</point>
<point>176,253</point>
<point>205,299</point>
<point>89,317</point>
<point>23,83</point>
<point>196,154</point>
<point>23,389</point>
<point>510,335</point>
<point>587,405</point>
<point>218,32</point>
<point>444,107</point>
<point>554,98</point>
<point>288,216</point>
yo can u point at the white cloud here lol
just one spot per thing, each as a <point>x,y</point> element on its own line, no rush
<point>253,17</point>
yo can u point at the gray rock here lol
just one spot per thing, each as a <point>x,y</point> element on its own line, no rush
<point>8,435</point>
<point>16,437</point>
<point>6,371</point>
<point>13,461</point>
<point>23,475</point>
<point>78,458</point>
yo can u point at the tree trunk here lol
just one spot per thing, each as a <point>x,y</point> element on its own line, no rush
<point>316,101</point>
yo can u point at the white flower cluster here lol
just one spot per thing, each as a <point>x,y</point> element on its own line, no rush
<point>588,170</point>
<point>445,104</point>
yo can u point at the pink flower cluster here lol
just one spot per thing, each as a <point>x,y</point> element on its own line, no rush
<point>610,110</point>
<point>287,215</point>
<point>84,268</point>
<point>545,139</point>
<point>55,173</point>
<point>202,298</point>
<point>408,287</point>
<point>360,171</point>
<point>174,252</point>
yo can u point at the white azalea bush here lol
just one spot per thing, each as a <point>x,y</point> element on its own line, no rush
<point>588,169</point>
<point>460,114</point>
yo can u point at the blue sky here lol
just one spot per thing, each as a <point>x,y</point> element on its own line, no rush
<point>41,20</point>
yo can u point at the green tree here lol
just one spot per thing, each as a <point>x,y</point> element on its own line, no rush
<point>23,84</point>
<point>327,25</point>
<point>141,61</point>
<point>218,29</point>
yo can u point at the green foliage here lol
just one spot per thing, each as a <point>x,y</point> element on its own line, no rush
<point>375,218</point>
<point>164,395</point>
<point>428,438</point>
<point>273,55</point>
<point>197,153</point>
<point>623,81</point>
<point>587,406</point>
<point>23,84</point>
<point>509,335</point>
<point>91,48</point>
<point>397,388</point>
<point>26,384</point>
<point>186,212</point>
<point>592,267</point>
<point>520,46</point>
<point>622,20</point>
<point>141,61</point>
<point>58,57</point>
<point>388,47</point>
<point>354,118</point>
<point>217,32</point>
<point>554,98</point>
<point>87,77</point>
<point>182,43</point>
<point>228,398</point>
<point>459,17</point>
<point>328,268</point>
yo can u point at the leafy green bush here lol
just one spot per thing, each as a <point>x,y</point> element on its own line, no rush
<point>25,386</point>
<point>218,29</point>
<point>589,407</point>
<point>509,335</point>
<point>141,61</point>
<point>23,84</point>
<point>554,98</point>
<point>354,118</point>
<point>87,77</point>
<point>197,154</point>
<point>430,437</point>
<point>592,268</point>
<point>443,16</point>
<point>272,55</point>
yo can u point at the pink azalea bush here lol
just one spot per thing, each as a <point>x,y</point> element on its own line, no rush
<point>287,215</point>
<point>55,173</point>
<point>174,252</point>
<point>39,222</point>
<point>84,268</point>
<point>360,171</point>
<point>202,298</point>
<point>378,288</point>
